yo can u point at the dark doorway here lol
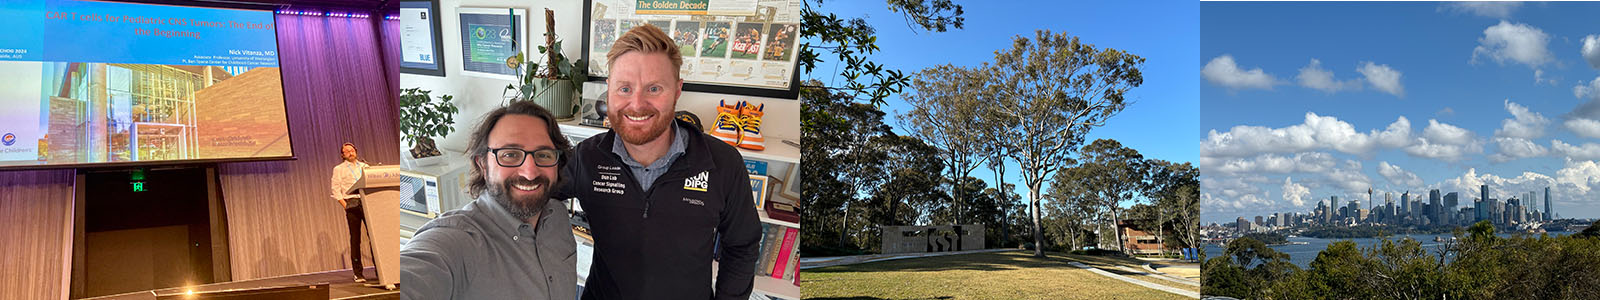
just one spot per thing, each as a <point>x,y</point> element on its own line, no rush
<point>145,229</point>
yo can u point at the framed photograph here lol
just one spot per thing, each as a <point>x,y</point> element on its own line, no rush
<point>758,190</point>
<point>728,47</point>
<point>421,45</point>
<point>791,182</point>
<point>490,37</point>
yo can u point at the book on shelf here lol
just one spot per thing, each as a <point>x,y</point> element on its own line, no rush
<point>792,269</point>
<point>771,237</point>
<point>785,251</point>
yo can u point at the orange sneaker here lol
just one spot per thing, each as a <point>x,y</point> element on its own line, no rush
<point>727,126</point>
<point>750,126</point>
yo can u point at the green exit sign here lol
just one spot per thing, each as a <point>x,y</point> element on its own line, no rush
<point>138,186</point>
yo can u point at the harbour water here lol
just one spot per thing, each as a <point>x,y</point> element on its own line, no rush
<point>1302,254</point>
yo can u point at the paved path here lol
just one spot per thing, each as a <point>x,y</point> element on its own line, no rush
<point>819,262</point>
<point>1180,292</point>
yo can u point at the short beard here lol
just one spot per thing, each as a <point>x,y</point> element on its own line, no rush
<point>525,208</point>
<point>639,136</point>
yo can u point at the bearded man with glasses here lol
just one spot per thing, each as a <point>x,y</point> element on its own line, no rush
<point>513,242</point>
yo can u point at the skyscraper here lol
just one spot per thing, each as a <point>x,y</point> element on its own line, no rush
<point>1514,210</point>
<point>1449,210</point>
<point>1547,211</point>
<point>1433,206</point>
<point>1335,205</point>
<point>1323,214</point>
<point>1405,203</point>
<point>1484,191</point>
<point>1478,207</point>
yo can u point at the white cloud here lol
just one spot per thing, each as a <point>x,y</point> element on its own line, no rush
<point>1445,142</point>
<point>1499,187</point>
<point>1579,176</point>
<point>1523,124</point>
<point>1586,151</point>
<point>1497,10</point>
<point>1317,132</point>
<point>1538,78</point>
<point>1310,162</point>
<point>1447,134</point>
<point>1591,50</point>
<point>1584,127</point>
<point>1589,89</point>
<point>1223,71</point>
<point>1398,176</point>
<point>1296,194</point>
<point>1514,42</point>
<point>1314,76</point>
<point>1516,148</point>
<point>1383,78</point>
<point>1443,152</point>
<point>1350,178</point>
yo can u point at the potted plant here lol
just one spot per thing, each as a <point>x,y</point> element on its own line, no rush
<point>422,119</point>
<point>556,83</point>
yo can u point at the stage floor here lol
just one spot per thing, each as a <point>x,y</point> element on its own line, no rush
<point>341,285</point>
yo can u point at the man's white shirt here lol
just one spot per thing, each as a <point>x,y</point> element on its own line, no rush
<point>345,175</point>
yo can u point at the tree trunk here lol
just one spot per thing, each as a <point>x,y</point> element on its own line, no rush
<point>1038,235</point>
<point>843,225</point>
<point>1118,231</point>
<point>1161,247</point>
<point>1072,236</point>
<point>1005,200</point>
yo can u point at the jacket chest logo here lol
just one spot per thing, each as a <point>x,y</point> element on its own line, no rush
<point>609,180</point>
<point>698,182</point>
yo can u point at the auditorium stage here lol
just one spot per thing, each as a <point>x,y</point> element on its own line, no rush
<point>341,285</point>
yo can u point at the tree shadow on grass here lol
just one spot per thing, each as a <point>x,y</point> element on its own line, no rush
<point>993,261</point>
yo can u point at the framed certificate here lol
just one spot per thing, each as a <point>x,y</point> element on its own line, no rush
<point>421,45</point>
<point>490,36</point>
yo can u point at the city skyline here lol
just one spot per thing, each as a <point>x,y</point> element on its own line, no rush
<point>1304,102</point>
<point>1438,207</point>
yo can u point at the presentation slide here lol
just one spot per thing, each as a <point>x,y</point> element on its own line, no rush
<point>103,82</point>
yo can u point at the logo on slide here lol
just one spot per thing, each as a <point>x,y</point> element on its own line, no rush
<point>9,139</point>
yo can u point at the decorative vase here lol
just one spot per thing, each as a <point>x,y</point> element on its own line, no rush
<point>556,96</point>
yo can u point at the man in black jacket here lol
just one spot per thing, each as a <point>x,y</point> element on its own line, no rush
<point>660,195</point>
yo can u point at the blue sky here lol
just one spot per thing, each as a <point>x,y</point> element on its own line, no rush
<point>1490,94</point>
<point>1160,125</point>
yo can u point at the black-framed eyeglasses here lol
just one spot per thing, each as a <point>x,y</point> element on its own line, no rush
<point>513,157</point>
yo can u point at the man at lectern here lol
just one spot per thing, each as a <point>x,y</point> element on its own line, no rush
<point>345,175</point>
<point>514,241</point>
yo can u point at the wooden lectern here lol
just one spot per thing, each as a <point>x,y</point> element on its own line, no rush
<point>380,203</point>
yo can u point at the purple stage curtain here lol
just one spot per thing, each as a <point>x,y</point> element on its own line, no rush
<point>37,207</point>
<point>281,220</point>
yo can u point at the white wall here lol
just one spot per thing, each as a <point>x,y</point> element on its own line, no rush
<point>476,96</point>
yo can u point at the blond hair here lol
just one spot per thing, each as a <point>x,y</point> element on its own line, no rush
<point>645,39</point>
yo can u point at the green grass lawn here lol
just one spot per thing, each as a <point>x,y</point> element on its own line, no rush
<point>995,275</point>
